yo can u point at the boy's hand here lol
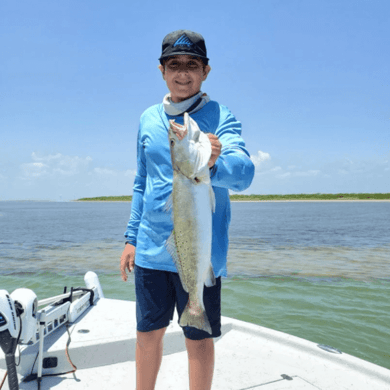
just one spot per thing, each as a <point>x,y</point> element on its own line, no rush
<point>127,260</point>
<point>215,148</point>
<point>179,130</point>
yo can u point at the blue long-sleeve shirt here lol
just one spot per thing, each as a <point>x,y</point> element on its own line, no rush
<point>150,224</point>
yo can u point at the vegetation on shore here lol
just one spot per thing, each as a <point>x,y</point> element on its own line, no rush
<point>360,196</point>
<point>122,198</point>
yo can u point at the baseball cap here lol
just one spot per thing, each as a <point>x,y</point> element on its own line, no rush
<point>184,42</point>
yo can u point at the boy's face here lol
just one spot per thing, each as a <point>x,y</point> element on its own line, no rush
<point>184,75</point>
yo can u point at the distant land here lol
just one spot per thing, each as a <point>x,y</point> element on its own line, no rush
<point>265,198</point>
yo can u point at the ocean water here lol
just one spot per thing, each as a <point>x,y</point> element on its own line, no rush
<point>318,270</point>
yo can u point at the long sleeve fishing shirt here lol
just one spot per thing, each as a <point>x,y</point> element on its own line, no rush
<point>150,224</point>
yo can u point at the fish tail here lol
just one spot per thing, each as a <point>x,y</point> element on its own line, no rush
<point>195,317</point>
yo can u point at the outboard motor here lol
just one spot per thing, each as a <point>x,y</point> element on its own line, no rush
<point>22,323</point>
<point>17,311</point>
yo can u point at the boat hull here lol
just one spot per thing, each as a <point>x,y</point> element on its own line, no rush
<point>248,356</point>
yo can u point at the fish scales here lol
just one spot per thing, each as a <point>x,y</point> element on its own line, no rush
<point>192,207</point>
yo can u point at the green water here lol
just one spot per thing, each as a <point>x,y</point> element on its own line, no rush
<point>350,315</point>
<point>353,316</point>
<point>319,271</point>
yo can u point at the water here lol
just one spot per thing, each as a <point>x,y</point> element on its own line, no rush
<point>319,271</point>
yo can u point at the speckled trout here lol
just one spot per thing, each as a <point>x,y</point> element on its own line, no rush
<point>192,203</point>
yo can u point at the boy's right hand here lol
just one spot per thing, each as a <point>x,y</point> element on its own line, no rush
<point>127,260</point>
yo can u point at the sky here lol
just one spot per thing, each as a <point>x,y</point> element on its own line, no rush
<point>308,79</point>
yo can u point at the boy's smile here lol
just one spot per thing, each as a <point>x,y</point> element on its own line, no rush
<point>184,75</point>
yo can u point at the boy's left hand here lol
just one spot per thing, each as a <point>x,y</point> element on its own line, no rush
<point>215,148</point>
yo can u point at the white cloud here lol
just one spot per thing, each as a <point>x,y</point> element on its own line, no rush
<point>104,171</point>
<point>268,171</point>
<point>58,176</point>
<point>32,170</point>
<point>284,175</point>
<point>260,158</point>
<point>359,167</point>
<point>311,172</point>
<point>326,174</point>
<point>54,165</point>
<point>46,158</point>
<point>130,172</point>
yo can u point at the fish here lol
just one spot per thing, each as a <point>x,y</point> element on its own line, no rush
<point>192,204</point>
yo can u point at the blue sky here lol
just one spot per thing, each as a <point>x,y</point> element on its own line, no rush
<point>309,80</point>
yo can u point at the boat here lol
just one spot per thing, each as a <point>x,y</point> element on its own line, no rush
<point>82,340</point>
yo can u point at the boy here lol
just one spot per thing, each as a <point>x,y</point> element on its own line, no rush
<point>184,66</point>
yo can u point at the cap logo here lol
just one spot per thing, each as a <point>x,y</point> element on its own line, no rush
<point>183,41</point>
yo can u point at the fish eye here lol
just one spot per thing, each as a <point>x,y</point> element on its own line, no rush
<point>172,142</point>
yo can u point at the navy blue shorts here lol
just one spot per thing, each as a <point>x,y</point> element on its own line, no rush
<point>157,294</point>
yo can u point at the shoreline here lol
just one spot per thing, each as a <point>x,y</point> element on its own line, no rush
<point>300,197</point>
<point>254,201</point>
<point>314,200</point>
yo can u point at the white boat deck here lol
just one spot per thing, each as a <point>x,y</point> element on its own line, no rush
<point>247,357</point>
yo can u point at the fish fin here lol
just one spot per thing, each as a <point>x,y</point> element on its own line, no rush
<point>169,204</point>
<point>200,151</point>
<point>196,320</point>
<point>212,199</point>
<point>170,246</point>
<point>210,278</point>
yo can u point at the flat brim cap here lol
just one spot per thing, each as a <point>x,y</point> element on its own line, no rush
<point>183,42</point>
